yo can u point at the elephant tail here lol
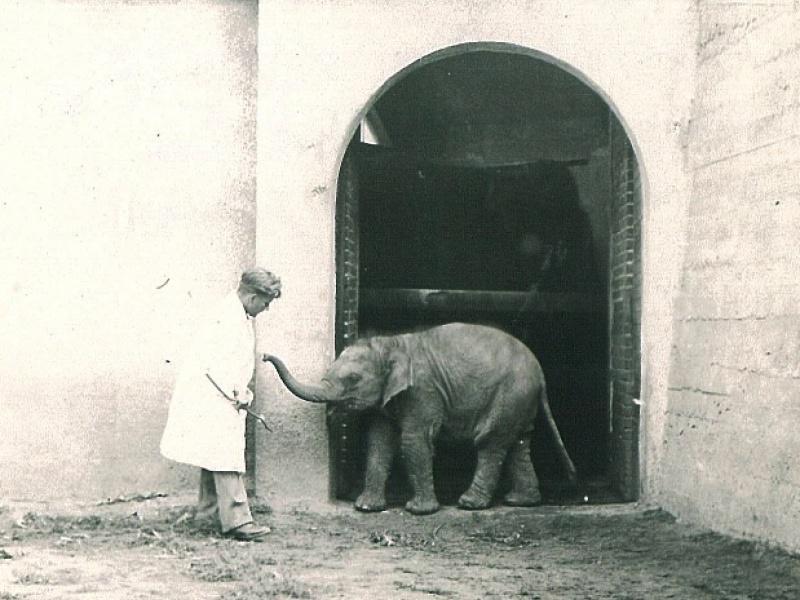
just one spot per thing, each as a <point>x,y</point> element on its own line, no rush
<point>566,461</point>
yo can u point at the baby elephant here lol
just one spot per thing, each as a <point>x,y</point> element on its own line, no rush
<point>459,381</point>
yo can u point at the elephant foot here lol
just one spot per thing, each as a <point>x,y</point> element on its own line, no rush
<point>422,507</point>
<point>532,498</point>
<point>368,503</point>
<point>470,501</point>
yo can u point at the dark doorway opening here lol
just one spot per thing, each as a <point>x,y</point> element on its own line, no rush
<point>446,224</point>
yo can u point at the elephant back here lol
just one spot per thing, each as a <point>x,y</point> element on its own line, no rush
<point>488,350</point>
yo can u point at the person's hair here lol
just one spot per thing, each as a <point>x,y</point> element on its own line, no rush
<point>262,282</point>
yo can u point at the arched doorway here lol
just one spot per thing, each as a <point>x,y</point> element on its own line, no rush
<point>489,185</point>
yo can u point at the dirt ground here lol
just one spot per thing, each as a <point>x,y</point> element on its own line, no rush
<point>135,549</point>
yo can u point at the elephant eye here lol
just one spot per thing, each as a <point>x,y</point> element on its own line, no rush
<point>353,378</point>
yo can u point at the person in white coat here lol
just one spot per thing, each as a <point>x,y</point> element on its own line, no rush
<point>205,426</point>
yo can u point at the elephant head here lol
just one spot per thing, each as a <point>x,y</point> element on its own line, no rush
<point>366,375</point>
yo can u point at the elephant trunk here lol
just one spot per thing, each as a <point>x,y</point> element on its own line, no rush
<point>309,393</point>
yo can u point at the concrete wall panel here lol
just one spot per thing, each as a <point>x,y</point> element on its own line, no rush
<point>734,379</point>
<point>127,204</point>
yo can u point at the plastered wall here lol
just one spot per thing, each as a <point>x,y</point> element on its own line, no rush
<point>127,203</point>
<point>321,65</point>
<point>731,439</point>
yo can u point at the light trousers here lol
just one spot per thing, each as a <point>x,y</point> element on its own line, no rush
<point>223,495</point>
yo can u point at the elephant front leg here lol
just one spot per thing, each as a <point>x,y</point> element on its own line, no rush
<point>418,457</point>
<point>487,474</point>
<point>381,450</point>
<point>524,483</point>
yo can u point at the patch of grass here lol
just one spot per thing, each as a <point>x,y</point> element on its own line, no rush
<point>527,590</point>
<point>66,577</point>
<point>405,539</point>
<point>31,578</point>
<point>258,507</point>
<point>514,535</point>
<point>36,523</point>
<point>133,529</point>
<point>229,564</point>
<point>413,587</point>
<point>219,567</point>
<point>273,585</point>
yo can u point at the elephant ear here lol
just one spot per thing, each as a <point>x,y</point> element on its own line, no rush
<point>399,373</point>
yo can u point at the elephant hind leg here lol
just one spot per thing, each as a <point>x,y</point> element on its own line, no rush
<point>524,483</point>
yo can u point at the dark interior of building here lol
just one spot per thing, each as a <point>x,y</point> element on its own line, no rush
<point>480,189</point>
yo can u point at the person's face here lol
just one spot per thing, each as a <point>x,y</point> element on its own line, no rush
<point>255,304</point>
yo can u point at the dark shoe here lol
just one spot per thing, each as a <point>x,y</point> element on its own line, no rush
<point>249,532</point>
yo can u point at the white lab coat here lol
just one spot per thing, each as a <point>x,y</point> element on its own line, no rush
<point>203,428</point>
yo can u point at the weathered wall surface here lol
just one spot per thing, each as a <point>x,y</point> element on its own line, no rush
<point>321,66</point>
<point>731,439</point>
<point>127,202</point>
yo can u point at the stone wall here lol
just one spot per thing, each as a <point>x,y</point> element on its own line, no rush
<point>731,438</point>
